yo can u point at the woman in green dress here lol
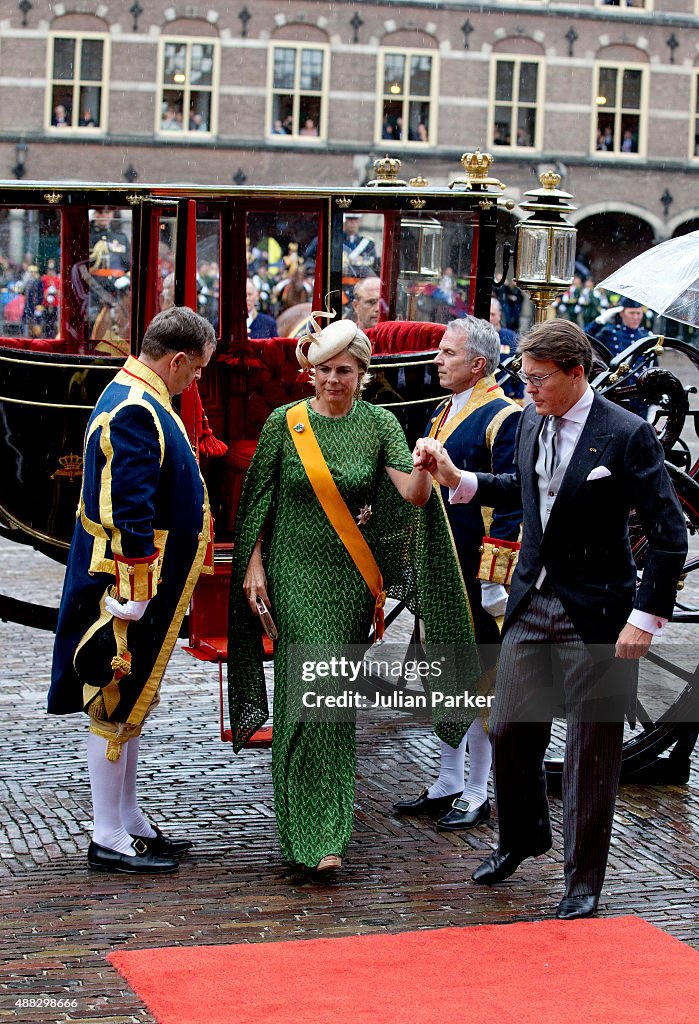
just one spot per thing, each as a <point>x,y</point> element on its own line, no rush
<point>289,554</point>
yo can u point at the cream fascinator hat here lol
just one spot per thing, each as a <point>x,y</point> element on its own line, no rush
<point>318,345</point>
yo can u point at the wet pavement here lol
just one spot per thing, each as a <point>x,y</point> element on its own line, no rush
<point>60,921</point>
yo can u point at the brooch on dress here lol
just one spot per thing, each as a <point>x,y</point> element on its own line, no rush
<point>364,515</point>
<point>299,428</point>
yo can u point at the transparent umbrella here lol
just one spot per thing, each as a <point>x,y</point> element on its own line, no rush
<point>665,278</point>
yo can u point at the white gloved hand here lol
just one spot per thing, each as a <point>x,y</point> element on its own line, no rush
<point>494,599</point>
<point>608,315</point>
<point>132,611</point>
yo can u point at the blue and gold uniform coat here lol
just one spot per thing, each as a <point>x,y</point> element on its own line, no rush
<point>482,435</point>
<point>143,531</point>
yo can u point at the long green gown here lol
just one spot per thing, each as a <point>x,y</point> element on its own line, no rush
<point>319,597</point>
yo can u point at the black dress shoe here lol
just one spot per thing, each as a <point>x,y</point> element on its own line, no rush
<point>571,907</point>
<point>462,816</point>
<point>501,864</point>
<point>424,804</point>
<point>99,858</point>
<point>160,846</point>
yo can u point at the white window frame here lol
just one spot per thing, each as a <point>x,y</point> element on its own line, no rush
<point>162,87</point>
<point>625,5</point>
<point>297,92</point>
<point>642,110</point>
<point>514,104</point>
<point>694,118</point>
<point>77,82</point>
<point>407,97</point>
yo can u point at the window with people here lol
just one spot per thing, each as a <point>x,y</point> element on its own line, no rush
<point>619,99</point>
<point>188,80</point>
<point>694,120</point>
<point>298,88</point>
<point>516,97</point>
<point>645,5</point>
<point>77,88</point>
<point>407,89</point>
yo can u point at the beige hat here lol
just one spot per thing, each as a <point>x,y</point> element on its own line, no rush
<point>319,345</point>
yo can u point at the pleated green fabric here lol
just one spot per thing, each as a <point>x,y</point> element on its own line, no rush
<point>319,597</point>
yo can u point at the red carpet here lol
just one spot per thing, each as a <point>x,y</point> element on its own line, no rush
<point>608,971</point>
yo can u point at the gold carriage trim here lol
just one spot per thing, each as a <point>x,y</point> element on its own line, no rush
<point>137,578</point>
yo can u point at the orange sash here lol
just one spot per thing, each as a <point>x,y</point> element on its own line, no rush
<point>333,504</point>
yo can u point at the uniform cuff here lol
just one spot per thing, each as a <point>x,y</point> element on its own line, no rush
<point>137,578</point>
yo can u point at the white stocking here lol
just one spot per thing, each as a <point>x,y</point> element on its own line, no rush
<point>451,770</point>
<point>480,757</point>
<point>107,784</point>
<point>131,814</point>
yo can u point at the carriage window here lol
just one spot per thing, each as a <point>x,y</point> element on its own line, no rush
<point>188,80</point>
<point>298,87</point>
<point>282,251</point>
<point>104,281</point>
<point>30,287</point>
<point>78,72</point>
<point>619,99</point>
<point>438,262</point>
<point>516,98</point>
<point>208,262</point>
<point>407,90</point>
<point>362,248</point>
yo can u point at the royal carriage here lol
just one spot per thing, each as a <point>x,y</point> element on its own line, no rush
<point>86,267</point>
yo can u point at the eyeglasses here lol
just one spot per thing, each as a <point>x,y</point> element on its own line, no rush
<point>537,380</point>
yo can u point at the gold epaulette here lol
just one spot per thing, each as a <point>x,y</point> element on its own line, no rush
<point>137,578</point>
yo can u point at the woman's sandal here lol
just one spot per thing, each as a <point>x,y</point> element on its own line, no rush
<point>331,862</point>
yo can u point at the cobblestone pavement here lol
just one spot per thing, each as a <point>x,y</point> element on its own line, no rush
<point>60,921</point>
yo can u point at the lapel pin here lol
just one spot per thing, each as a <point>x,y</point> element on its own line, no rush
<point>299,428</point>
<point>593,450</point>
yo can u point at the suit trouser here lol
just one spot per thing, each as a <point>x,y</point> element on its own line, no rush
<point>541,656</point>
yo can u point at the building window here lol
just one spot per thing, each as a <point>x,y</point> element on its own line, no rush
<point>694,122</point>
<point>643,5</point>
<point>619,100</point>
<point>407,92</point>
<point>78,75</point>
<point>188,87</point>
<point>297,92</point>
<point>516,90</point>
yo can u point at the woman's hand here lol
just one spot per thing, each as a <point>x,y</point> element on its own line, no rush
<point>255,581</point>
<point>434,453</point>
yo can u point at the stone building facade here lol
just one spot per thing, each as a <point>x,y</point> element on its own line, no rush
<point>309,92</point>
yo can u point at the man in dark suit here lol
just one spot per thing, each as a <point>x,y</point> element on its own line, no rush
<point>259,324</point>
<point>575,621</point>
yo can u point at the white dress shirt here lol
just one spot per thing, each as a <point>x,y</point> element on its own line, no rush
<point>569,431</point>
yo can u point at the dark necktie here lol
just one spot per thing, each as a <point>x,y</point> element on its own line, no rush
<point>551,461</point>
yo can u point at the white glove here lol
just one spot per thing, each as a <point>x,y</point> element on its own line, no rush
<point>608,315</point>
<point>494,599</point>
<point>132,611</point>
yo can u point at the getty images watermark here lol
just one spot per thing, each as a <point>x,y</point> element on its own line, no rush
<point>337,682</point>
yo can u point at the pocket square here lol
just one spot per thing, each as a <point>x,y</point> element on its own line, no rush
<point>598,473</point>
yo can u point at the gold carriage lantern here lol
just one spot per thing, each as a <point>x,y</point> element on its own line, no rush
<point>546,244</point>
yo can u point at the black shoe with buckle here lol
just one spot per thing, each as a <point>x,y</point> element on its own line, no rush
<point>464,815</point>
<point>160,846</point>
<point>100,858</point>
<point>435,807</point>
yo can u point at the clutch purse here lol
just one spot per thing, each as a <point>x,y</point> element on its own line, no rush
<point>266,619</point>
<point>498,560</point>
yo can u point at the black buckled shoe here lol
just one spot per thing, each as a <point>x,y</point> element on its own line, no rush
<point>463,815</point>
<point>100,858</point>
<point>424,804</point>
<point>572,907</point>
<point>160,846</point>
